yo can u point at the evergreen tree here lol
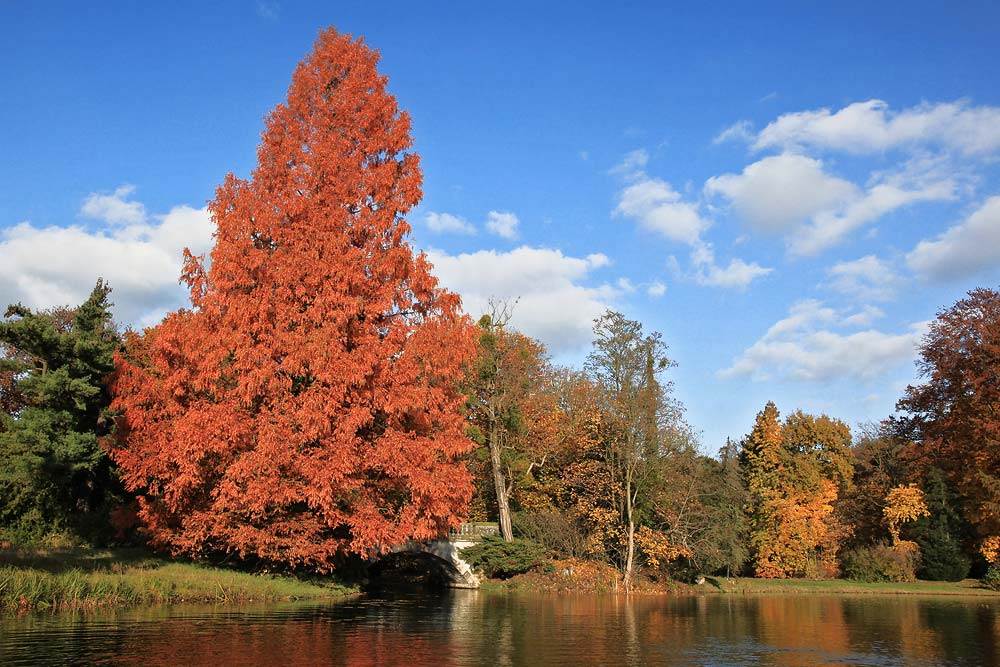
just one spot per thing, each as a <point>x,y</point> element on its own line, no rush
<point>55,475</point>
<point>724,544</point>
<point>939,534</point>
<point>761,459</point>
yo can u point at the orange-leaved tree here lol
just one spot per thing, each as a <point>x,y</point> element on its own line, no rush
<point>308,403</point>
<point>793,474</point>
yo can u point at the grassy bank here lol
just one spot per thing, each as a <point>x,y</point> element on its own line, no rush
<point>80,578</point>
<point>749,586</point>
<point>581,576</point>
<point>719,586</point>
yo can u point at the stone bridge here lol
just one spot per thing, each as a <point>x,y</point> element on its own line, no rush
<point>460,573</point>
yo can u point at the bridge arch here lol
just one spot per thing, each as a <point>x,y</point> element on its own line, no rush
<point>458,572</point>
<point>408,567</point>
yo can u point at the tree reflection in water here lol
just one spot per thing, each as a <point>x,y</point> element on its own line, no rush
<point>479,628</point>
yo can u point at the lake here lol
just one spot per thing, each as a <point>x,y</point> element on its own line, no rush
<point>488,628</point>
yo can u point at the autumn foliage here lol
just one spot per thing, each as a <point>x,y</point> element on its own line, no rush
<point>307,403</point>
<point>794,475</point>
<point>903,504</point>
<point>952,416</point>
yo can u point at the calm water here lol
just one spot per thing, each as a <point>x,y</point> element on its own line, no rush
<point>476,628</point>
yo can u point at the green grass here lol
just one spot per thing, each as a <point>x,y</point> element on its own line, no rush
<point>844,587</point>
<point>82,578</point>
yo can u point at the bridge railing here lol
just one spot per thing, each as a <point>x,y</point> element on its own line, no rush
<point>475,530</point>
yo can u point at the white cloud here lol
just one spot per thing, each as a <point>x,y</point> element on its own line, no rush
<point>141,261</point>
<point>793,195</point>
<point>625,285</point>
<point>444,223</point>
<point>659,208</point>
<point>737,275</point>
<point>865,279</point>
<point>741,131</point>
<point>632,164</point>
<point>780,192</point>
<point>598,260</point>
<point>656,289</point>
<point>113,208</point>
<point>554,303</point>
<point>864,317</point>
<point>801,315</point>
<point>803,347</point>
<point>964,250</point>
<point>656,206</point>
<point>828,228</point>
<point>503,224</point>
<point>867,127</point>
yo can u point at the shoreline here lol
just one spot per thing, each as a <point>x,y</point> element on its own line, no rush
<point>751,586</point>
<point>83,579</point>
<point>968,588</point>
<point>80,579</point>
<point>586,577</point>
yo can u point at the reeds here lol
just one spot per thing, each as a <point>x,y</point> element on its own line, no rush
<point>29,588</point>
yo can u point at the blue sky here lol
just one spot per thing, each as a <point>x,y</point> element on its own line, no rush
<point>787,193</point>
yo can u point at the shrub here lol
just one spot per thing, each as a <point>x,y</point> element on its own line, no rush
<point>992,577</point>
<point>882,562</point>
<point>501,560</point>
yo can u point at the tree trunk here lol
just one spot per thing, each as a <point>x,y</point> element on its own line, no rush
<point>630,554</point>
<point>503,503</point>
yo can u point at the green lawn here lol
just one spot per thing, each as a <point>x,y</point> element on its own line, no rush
<point>79,578</point>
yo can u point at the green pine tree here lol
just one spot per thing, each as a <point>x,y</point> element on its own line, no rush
<point>939,535</point>
<point>55,476</point>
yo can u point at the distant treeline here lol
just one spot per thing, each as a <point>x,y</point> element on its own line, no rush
<point>599,463</point>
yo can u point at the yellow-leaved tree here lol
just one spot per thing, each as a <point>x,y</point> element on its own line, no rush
<point>903,504</point>
<point>794,474</point>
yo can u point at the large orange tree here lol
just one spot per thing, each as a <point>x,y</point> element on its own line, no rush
<point>307,403</point>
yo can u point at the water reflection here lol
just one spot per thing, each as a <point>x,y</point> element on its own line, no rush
<point>475,628</point>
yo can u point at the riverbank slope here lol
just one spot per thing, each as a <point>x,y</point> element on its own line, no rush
<point>83,578</point>
<point>580,576</point>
